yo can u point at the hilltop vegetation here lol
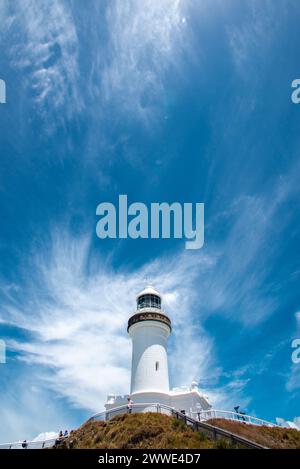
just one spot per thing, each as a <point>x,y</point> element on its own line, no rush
<point>271,437</point>
<point>158,431</point>
<point>135,431</point>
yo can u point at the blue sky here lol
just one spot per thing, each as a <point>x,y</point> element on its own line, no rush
<point>163,101</point>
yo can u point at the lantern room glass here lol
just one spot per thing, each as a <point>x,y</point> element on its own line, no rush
<point>149,301</point>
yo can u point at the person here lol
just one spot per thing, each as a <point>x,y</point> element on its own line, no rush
<point>24,444</point>
<point>129,405</point>
<point>66,433</point>
<point>59,438</point>
<point>199,408</point>
<point>240,414</point>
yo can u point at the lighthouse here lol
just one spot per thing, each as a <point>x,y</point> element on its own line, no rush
<point>149,329</point>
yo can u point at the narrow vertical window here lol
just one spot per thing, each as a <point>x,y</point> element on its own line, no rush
<point>156,366</point>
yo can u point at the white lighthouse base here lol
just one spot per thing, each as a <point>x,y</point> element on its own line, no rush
<point>189,400</point>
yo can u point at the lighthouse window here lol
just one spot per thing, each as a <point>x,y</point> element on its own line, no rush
<point>146,301</point>
<point>156,366</point>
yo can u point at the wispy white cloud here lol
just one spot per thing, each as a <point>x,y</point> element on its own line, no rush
<point>45,436</point>
<point>253,37</point>
<point>144,40</point>
<point>77,320</point>
<point>230,395</point>
<point>44,46</point>
<point>295,423</point>
<point>131,46</point>
<point>234,289</point>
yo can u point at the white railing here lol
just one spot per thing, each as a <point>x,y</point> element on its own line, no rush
<point>29,444</point>
<point>205,415</point>
<point>34,444</point>
<point>134,408</point>
<point>201,416</point>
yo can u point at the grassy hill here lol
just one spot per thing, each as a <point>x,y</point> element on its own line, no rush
<point>159,431</point>
<point>271,437</point>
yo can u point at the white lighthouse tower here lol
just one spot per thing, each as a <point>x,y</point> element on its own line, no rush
<point>149,329</point>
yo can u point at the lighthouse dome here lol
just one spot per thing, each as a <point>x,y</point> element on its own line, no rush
<point>148,290</point>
